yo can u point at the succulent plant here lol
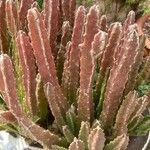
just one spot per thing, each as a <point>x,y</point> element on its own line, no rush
<point>68,79</point>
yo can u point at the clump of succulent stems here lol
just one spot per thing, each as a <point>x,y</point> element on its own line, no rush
<point>69,80</point>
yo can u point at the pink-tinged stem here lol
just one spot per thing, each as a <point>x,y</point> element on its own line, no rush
<point>46,138</point>
<point>51,20</point>
<point>76,145</point>
<point>118,78</point>
<point>66,35</point>
<point>7,117</point>
<point>130,20</point>
<point>124,113</point>
<point>24,6</point>
<point>98,44</point>
<point>28,62</point>
<point>50,93</point>
<point>43,54</point>
<point>132,79</point>
<point>72,8</point>
<point>96,139</point>
<point>74,55</point>
<point>113,40</point>
<point>3,28</point>
<point>1,82</point>
<point>68,9</point>
<point>103,23</point>
<point>65,9</point>
<point>12,16</point>
<point>85,104</point>
<point>10,92</point>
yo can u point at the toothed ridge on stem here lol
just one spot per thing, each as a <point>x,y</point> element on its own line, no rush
<point>85,104</point>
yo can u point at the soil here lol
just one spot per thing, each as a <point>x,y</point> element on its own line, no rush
<point>137,143</point>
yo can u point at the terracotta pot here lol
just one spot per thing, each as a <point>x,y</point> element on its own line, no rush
<point>142,142</point>
<point>139,143</point>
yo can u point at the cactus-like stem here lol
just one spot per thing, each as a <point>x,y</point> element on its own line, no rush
<point>2,88</point>
<point>3,28</point>
<point>66,72</point>
<point>24,6</point>
<point>98,45</point>
<point>85,104</point>
<point>33,130</point>
<point>56,147</point>
<point>135,67</point>
<point>103,23</point>
<point>72,120</point>
<point>35,4</point>
<point>129,21</point>
<point>7,117</point>
<point>51,93</point>
<point>96,139</point>
<point>10,92</point>
<point>46,138</point>
<point>73,60</point>
<point>41,98</point>
<point>140,107</point>
<point>68,8</point>
<point>12,17</point>
<point>68,134</point>
<point>72,8</point>
<point>122,119</point>
<point>76,145</point>
<point>43,54</point>
<point>119,143</point>
<point>51,19</point>
<point>27,61</point>
<point>40,44</point>
<point>96,67</point>
<point>113,40</point>
<point>65,9</point>
<point>84,133</point>
<point>118,77</point>
<point>75,51</point>
<point>108,59</point>
<point>66,35</point>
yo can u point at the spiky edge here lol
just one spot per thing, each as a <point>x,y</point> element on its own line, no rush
<point>23,10</point>
<point>65,38</point>
<point>127,107</point>
<point>103,23</point>
<point>11,16</point>
<point>50,93</point>
<point>74,54</point>
<point>96,140</point>
<point>85,104</point>
<point>3,28</point>
<point>119,76</point>
<point>76,145</point>
<point>119,143</point>
<point>28,63</point>
<point>51,20</point>
<point>43,54</point>
<point>47,138</point>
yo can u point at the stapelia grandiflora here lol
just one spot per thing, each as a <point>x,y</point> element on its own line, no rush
<point>68,79</point>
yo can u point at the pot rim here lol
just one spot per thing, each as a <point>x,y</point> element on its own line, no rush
<point>148,138</point>
<point>147,142</point>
